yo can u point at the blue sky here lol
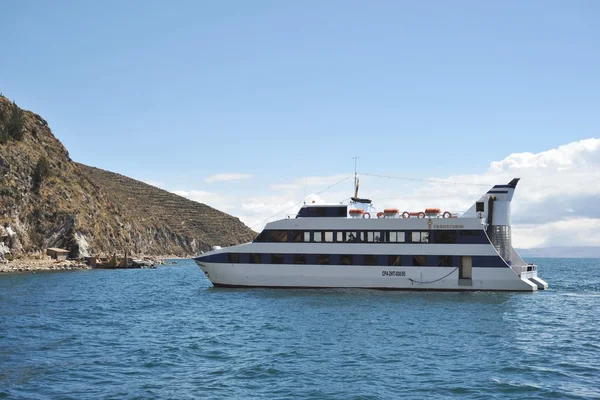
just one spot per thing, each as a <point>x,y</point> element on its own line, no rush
<point>175,92</point>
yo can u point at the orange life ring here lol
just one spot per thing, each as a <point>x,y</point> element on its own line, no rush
<point>447,214</point>
<point>380,215</point>
<point>365,215</point>
<point>405,214</point>
<point>421,214</point>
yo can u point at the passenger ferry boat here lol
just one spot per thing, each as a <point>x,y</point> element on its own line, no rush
<point>354,246</point>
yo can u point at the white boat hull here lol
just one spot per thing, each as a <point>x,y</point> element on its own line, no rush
<point>373,277</point>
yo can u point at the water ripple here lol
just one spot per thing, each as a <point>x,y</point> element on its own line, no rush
<point>166,333</point>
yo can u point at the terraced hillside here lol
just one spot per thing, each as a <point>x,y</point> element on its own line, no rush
<point>182,225</point>
<point>47,200</point>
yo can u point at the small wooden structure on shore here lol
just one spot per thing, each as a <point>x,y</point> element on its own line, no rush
<point>57,254</point>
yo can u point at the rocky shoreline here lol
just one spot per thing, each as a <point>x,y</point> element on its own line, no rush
<point>48,264</point>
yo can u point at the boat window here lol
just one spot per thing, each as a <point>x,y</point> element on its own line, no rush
<point>346,260</point>
<point>373,237</point>
<point>394,260</point>
<point>445,261</point>
<point>321,211</point>
<point>316,237</point>
<point>470,232</point>
<point>420,237</point>
<point>350,236</point>
<point>255,258</point>
<point>370,259</point>
<point>361,236</point>
<point>299,236</point>
<point>419,261</point>
<point>323,259</point>
<point>444,236</point>
<point>328,237</point>
<point>233,258</point>
<point>278,236</point>
<point>276,258</point>
<point>479,206</point>
<point>342,211</point>
<point>339,237</point>
<point>396,237</point>
<point>262,237</point>
<point>299,259</point>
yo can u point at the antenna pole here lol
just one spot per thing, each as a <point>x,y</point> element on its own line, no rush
<point>355,177</point>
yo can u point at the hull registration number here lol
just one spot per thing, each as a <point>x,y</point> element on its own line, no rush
<point>393,273</point>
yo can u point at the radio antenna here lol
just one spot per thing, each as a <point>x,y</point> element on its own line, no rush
<point>355,178</point>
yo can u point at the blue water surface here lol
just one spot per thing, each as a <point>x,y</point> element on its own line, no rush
<point>167,333</point>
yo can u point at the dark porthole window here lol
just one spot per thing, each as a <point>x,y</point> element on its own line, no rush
<point>394,261</point>
<point>445,261</point>
<point>323,259</point>
<point>276,258</point>
<point>255,258</point>
<point>299,259</point>
<point>233,258</point>
<point>419,261</point>
<point>346,260</point>
<point>370,259</point>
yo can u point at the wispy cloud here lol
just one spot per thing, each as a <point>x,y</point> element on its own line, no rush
<point>555,202</point>
<point>227,177</point>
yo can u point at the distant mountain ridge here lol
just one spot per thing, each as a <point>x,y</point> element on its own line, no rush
<point>562,252</point>
<point>47,200</point>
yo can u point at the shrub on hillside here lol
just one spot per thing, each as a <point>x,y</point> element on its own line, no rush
<point>14,125</point>
<point>41,171</point>
<point>11,123</point>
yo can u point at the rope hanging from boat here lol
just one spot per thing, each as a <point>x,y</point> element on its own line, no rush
<point>437,280</point>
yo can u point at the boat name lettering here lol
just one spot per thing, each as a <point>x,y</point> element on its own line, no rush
<point>448,226</point>
<point>393,273</point>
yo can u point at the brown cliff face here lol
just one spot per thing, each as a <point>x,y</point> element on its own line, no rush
<point>47,200</point>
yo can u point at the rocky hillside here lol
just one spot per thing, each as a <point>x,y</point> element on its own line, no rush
<point>172,218</point>
<point>47,200</point>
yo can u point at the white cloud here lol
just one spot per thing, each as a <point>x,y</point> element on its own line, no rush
<point>556,202</point>
<point>571,232</point>
<point>227,177</point>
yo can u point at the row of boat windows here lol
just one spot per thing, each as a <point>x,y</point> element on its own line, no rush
<point>439,236</point>
<point>342,259</point>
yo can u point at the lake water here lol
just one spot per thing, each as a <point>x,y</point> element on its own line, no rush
<point>166,333</point>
